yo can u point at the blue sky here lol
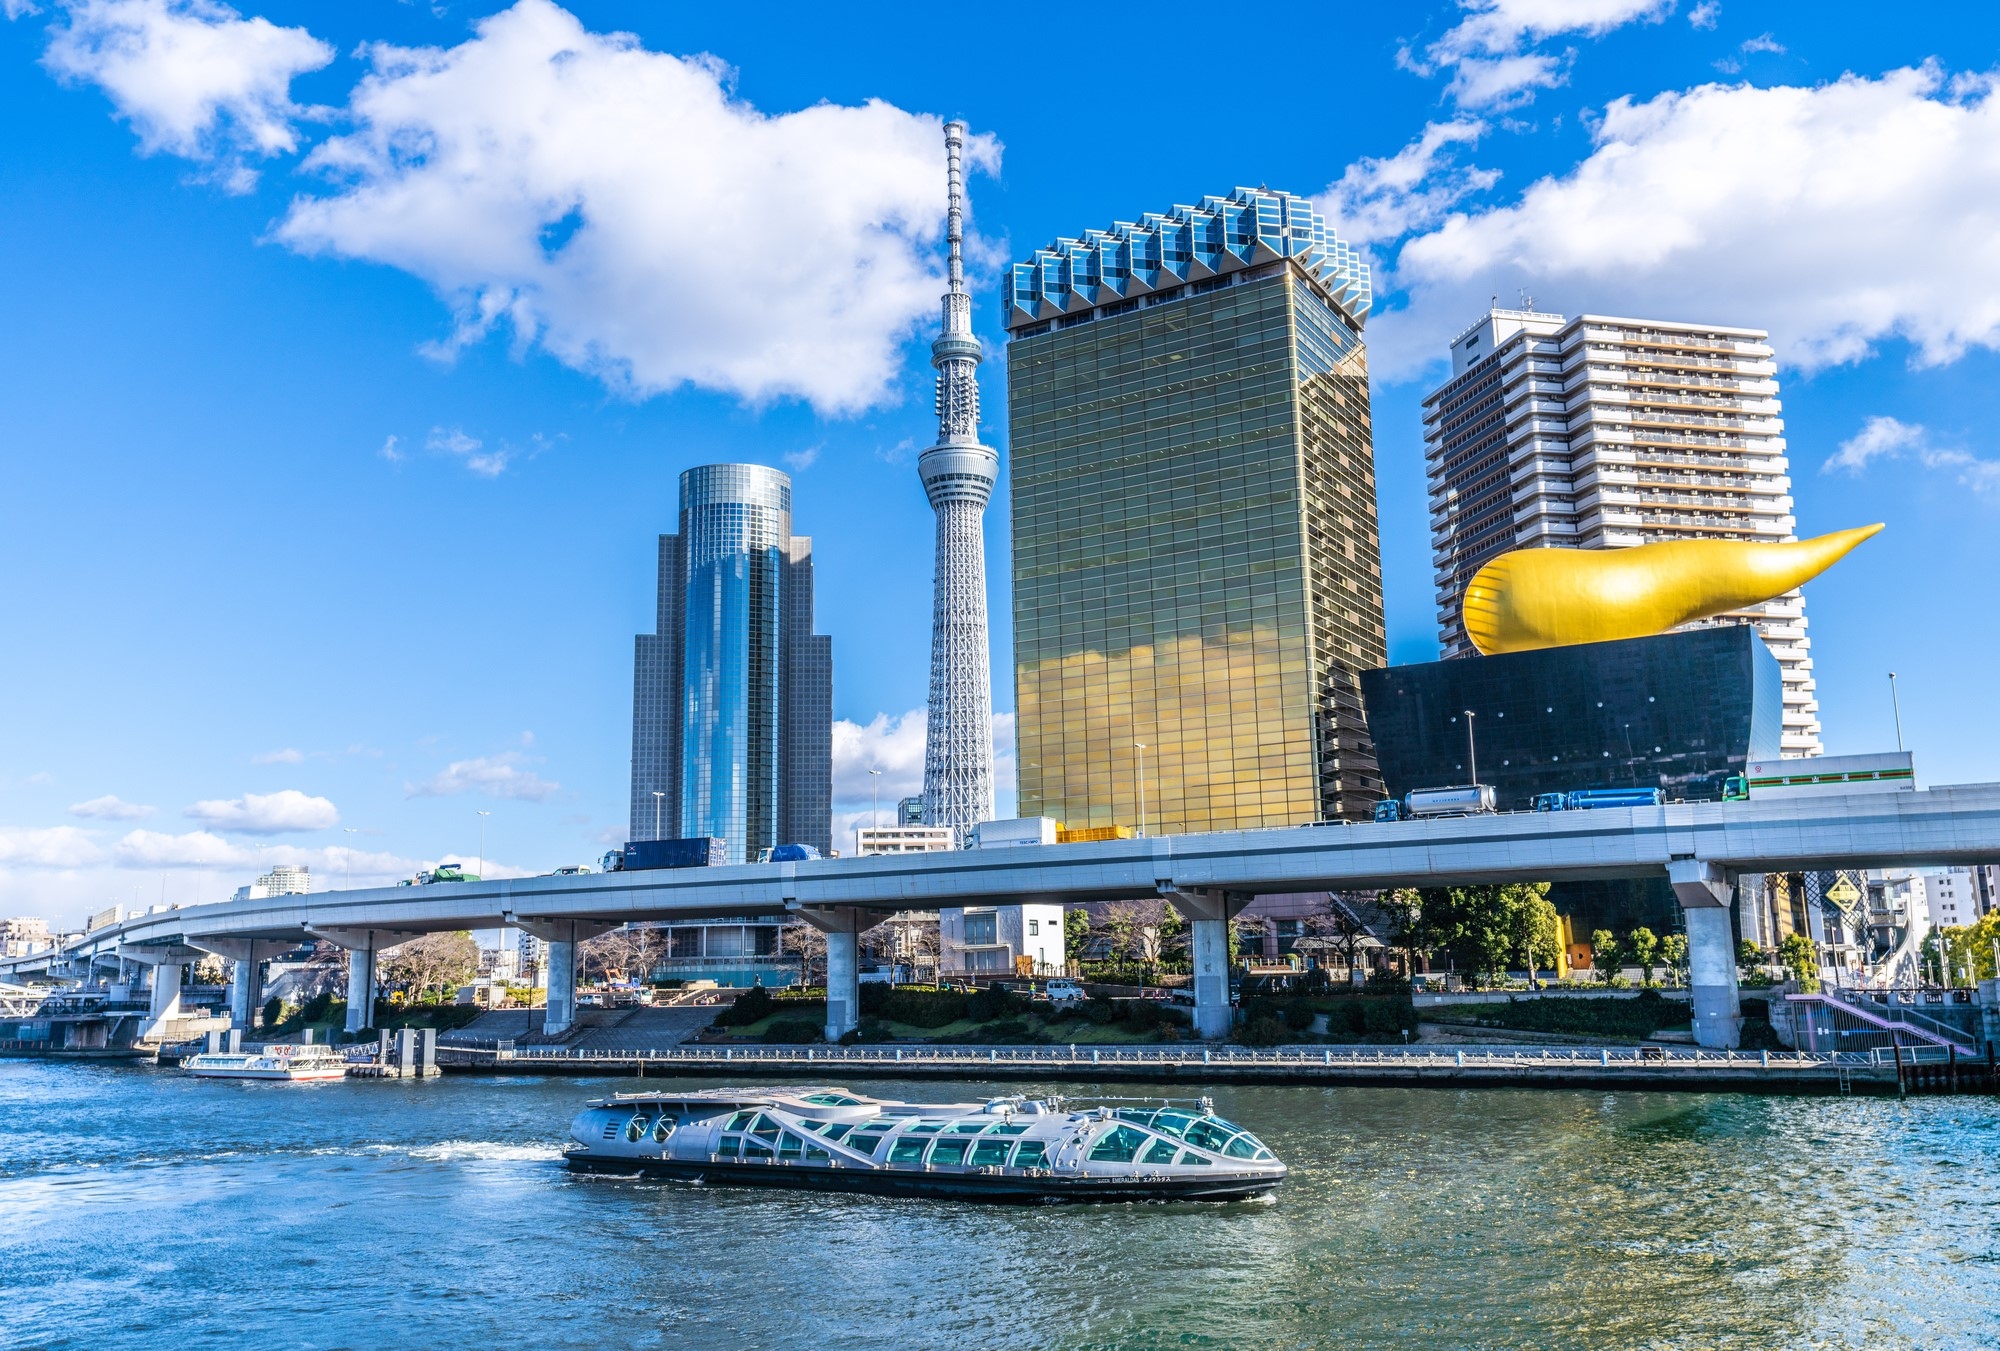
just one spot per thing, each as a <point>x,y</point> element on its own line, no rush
<point>351,353</point>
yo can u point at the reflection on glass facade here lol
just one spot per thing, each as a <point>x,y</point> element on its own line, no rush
<point>732,699</point>
<point>1679,712</point>
<point>1196,565</point>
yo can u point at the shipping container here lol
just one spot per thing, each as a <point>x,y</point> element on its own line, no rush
<point>1821,776</point>
<point>699,852</point>
<point>789,853</point>
<point>1591,799</point>
<point>1457,800</point>
<point>1091,834</point>
<point>1006,834</point>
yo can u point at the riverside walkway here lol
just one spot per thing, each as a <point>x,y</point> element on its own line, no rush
<point>1631,1067</point>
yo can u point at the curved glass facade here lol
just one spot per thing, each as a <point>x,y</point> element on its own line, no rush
<point>736,519</point>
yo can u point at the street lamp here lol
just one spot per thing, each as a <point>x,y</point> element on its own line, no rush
<point>347,861</point>
<point>1142,788</point>
<point>482,842</point>
<point>1471,748</point>
<point>1896,707</point>
<point>658,798</point>
<point>875,806</point>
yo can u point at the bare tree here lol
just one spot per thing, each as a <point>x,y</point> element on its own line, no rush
<point>439,961</point>
<point>809,945</point>
<point>1338,930</point>
<point>622,954</point>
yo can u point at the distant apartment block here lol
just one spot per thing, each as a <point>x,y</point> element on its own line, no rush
<point>1604,433</point>
<point>283,880</point>
<point>870,840</point>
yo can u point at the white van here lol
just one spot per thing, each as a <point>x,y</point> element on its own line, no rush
<point>1064,992</point>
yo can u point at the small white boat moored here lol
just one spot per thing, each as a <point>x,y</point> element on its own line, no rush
<point>310,1061</point>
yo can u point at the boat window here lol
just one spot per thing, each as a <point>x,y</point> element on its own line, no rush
<point>753,1148</point>
<point>837,1129</point>
<point>814,1154</point>
<point>989,1154</point>
<point>1140,1115</point>
<point>1160,1151</point>
<point>831,1100</point>
<point>1120,1145</point>
<point>1189,1158</point>
<point>637,1127</point>
<point>908,1151</point>
<point>927,1127</point>
<point>766,1128</point>
<point>1208,1134</point>
<point>1013,1128</point>
<point>790,1145</point>
<point>865,1142</point>
<point>950,1151</point>
<point>811,1124</point>
<point>663,1128</point>
<point>1242,1147</point>
<point>1172,1123</point>
<point>731,1146</point>
<point>1031,1154</point>
<point>969,1127</point>
<point>741,1121</point>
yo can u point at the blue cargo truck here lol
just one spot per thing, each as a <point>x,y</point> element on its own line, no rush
<point>1592,799</point>
<point>645,855</point>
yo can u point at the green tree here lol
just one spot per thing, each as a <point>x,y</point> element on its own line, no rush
<point>1538,928</point>
<point>1405,909</point>
<point>1674,951</point>
<point>1645,946</point>
<point>1488,921</point>
<point>1749,954</point>
<point>1604,954</point>
<point>1797,954</point>
<point>1076,934</point>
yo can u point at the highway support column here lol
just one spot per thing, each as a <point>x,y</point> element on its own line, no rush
<point>166,1000</point>
<point>246,986</point>
<point>1208,913</point>
<point>842,926</point>
<point>562,936</point>
<point>363,946</point>
<point>1704,891</point>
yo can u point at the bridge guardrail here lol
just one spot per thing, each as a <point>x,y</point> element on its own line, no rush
<point>1223,1057</point>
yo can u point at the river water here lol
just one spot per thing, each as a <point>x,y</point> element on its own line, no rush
<point>139,1208</point>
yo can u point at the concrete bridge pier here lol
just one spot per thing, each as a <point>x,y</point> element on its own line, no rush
<point>166,1000</point>
<point>562,936</point>
<point>363,947</point>
<point>842,926</point>
<point>246,984</point>
<point>1704,891</point>
<point>1208,913</point>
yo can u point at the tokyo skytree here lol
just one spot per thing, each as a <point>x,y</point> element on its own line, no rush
<point>958,476</point>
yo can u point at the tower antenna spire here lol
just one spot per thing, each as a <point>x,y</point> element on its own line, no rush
<point>958,475</point>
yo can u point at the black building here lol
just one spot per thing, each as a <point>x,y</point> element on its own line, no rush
<point>1679,712</point>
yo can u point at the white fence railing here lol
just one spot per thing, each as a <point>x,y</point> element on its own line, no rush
<point>1386,1059</point>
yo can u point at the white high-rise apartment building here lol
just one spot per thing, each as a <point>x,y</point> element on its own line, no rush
<point>1603,433</point>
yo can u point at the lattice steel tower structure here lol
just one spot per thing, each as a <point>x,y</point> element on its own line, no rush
<point>958,475</point>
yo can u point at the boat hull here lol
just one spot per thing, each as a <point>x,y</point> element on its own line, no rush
<point>1016,1189</point>
<point>290,1076</point>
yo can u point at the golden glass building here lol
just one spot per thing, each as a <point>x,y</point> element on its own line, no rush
<point>1197,574</point>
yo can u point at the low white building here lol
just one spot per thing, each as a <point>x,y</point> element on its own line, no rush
<point>284,880</point>
<point>872,840</point>
<point>1953,897</point>
<point>1002,940</point>
<point>23,936</point>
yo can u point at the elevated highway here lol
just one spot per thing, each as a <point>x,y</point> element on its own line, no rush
<point>1701,848</point>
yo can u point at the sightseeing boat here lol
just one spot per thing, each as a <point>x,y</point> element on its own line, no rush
<point>1006,1149</point>
<point>310,1061</point>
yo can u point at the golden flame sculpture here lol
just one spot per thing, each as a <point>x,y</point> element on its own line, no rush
<point>1533,598</point>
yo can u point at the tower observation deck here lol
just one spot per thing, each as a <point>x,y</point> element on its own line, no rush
<point>958,474</point>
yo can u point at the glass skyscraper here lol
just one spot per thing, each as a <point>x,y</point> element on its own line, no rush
<point>732,702</point>
<point>1197,574</point>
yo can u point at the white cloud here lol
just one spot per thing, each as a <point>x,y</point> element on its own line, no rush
<point>470,449</point>
<point>1879,436</point>
<point>267,813</point>
<point>895,745</point>
<point>623,209</point>
<point>49,847</point>
<point>1887,438</point>
<point>1763,42</point>
<point>1704,14</point>
<point>493,775</point>
<point>193,77</point>
<point>110,808</point>
<point>287,756</point>
<point>1489,53</point>
<point>389,451</point>
<point>196,849</point>
<point>1382,199</point>
<point>1834,216</point>
<point>15,9</point>
<point>798,461</point>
